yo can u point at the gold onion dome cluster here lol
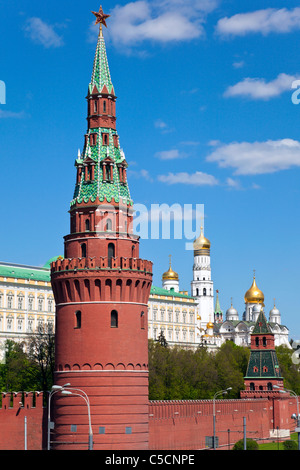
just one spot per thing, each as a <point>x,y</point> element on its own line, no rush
<point>254,294</point>
<point>201,243</point>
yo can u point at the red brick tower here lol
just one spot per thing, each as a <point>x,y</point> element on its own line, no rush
<point>101,289</point>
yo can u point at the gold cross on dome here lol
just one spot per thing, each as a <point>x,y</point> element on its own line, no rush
<point>100,17</point>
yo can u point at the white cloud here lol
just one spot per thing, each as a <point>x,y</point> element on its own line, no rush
<point>162,126</point>
<point>170,154</point>
<point>161,21</point>
<point>197,179</point>
<point>238,64</point>
<point>233,184</point>
<point>258,157</point>
<point>42,33</point>
<point>259,89</point>
<point>140,174</point>
<point>264,21</point>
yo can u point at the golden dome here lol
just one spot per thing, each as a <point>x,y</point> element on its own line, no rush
<point>209,325</point>
<point>201,243</point>
<point>170,275</point>
<point>254,294</point>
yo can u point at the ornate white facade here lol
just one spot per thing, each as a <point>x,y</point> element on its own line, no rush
<point>239,331</point>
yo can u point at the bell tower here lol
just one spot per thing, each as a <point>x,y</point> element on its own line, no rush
<point>202,286</point>
<point>101,289</point>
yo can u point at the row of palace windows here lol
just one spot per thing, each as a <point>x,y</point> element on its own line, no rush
<point>162,316</point>
<point>171,334</point>
<point>114,319</point>
<point>21,303</point>
<point>41,326</point>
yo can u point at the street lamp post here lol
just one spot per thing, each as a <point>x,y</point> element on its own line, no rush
<point>66,390</point>
<point>294,416</point>
<point>221,392</point>
<point>54,389</point>
<point>81,393</point>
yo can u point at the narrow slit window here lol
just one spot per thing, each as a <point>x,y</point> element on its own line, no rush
<point>114,319</point>
<point>83,250</point>
<point>78,319</point>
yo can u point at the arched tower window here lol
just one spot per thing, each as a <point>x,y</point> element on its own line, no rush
<point>264,341</point>
<point>256,341</point>
<point>110,253</point>
<point>142,320</point>
<point>108,225</point>
<point>87,225</point>
<point>204,291</point>
<point>114,319</point>
<point>83,250</point>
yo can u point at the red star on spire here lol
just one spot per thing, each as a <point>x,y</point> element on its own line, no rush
<point>100,17</point>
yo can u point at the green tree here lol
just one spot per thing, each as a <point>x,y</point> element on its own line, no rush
<point>231,364</point>
<point>250,445</point>
<point>17,371</point>
<point>290,445</point>
<point>289,370</point>
<point>41,352</point>
<point>157,370</point>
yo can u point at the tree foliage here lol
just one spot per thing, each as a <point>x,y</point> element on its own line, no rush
<point>174,373</point>
<point>180,374</point>
<point>250,445</point>
<point>28,366</point>
<point>289,368</point>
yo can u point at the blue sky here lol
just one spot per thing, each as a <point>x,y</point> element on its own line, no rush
<point>205,116</point>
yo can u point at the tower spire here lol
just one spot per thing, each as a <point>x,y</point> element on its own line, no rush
<point>101,170</point>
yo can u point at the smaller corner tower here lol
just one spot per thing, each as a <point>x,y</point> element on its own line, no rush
<point>263,370</point>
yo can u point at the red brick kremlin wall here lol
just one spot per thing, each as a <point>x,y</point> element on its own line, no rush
<point>173,425</point>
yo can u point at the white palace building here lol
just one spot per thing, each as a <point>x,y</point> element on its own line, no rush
<point>27,306</point>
